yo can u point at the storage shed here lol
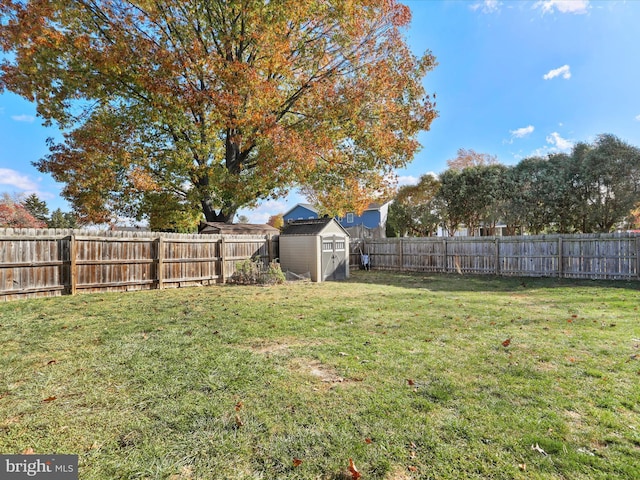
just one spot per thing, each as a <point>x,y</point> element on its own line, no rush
<point>318,247</point>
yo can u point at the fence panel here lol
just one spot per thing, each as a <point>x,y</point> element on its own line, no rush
<point>535,256</point>
<point>45,262</point>
<point>30,266</point>
<point>595,256</point>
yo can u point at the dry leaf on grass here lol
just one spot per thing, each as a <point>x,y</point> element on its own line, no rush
<point>239,422</point>
<point>355,474</point>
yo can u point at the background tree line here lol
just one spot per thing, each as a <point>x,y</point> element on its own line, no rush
<point>31,212</point>
<point>595,188</point>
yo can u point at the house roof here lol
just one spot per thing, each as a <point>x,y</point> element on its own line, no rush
<point>308,206</point>
<point>377,206</point>
<point>236,228</point>
<point>311,226</point>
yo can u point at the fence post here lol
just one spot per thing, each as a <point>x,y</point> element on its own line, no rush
<point>445,262</point>
<point>222,261</point>
<point>638,257</point>
<point>401,254</point>
<point>160,262</point>
<point>270,252</point>
<point>560,260</point>
<point>73,267</point>
<point>497,256</point>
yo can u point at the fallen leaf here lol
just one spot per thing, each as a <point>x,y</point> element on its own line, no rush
<point>239,422</point>
<point>368,441</point>
<point>522,466</point>
<point>296,462</point>
<point>355,474</point>
<point>239,406</point>
<point>50,399</point>
<point>412,468</point>
<point>343,354</point>
<point>28,451</point>
<point>410,382</point>
<point>51,362</point>
<point>506,343</point>
<point>145,335</point>
<point>538,449</point>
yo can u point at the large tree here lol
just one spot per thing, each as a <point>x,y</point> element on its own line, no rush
<point>36,207</point>
<point>414,211</point>
<point>608,171</point>
<point>217,103</point>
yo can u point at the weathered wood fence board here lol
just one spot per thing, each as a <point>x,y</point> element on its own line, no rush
<point>40,262</point>
<point>596,256</point>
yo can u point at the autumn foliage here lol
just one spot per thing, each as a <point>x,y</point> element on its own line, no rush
<point>14,215</point>
<point>217,104</point>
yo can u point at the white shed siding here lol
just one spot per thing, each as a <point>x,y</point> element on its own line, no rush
<point>301,255</point>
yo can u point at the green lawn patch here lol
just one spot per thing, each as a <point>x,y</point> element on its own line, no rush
<point>411,376</point>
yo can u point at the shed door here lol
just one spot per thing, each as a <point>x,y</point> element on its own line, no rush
<point>334,258</point>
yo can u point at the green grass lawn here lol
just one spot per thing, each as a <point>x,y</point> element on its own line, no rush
<point>411,376</point>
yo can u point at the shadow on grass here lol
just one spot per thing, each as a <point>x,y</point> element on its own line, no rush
<point>479,283</point>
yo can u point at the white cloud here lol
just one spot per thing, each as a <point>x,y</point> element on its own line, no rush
<point>564,70</point>
<point>563,6</point>
<point>17,180</point>
<point>264,210</point>
<point>522,132</point>
<point>637,118</point>
<point>487,6</point>
<point>407,180</point>
<point>23,118</point>
<point>558,142</point>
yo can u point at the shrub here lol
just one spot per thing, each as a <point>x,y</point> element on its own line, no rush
<point>253,271</point>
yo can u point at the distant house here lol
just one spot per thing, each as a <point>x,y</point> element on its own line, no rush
<point>302,211</point>
<point>371,223</point>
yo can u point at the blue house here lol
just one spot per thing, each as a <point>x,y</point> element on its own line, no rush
<point>302,211</point>
<point>371,223</point>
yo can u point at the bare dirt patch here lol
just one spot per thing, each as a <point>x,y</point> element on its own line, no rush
<point>281,346</point>
<point>314,368</point>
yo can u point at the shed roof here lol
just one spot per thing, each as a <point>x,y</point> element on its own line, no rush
<point>311,226</point>
<point>236,228</point>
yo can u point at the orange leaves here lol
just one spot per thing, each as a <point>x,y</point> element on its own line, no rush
<point>296,462</point>
<point>355,474</point>
<point>306,93</point>
<point>50,399</point>
<point>506,343</point>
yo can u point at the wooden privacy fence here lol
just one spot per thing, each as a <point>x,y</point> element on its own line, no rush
<point>36,263</point>
<point>594,256</point>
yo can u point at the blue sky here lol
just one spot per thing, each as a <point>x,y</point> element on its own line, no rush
<point>515,79</point>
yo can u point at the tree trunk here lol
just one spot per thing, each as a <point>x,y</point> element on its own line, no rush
<point>211,215</point>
